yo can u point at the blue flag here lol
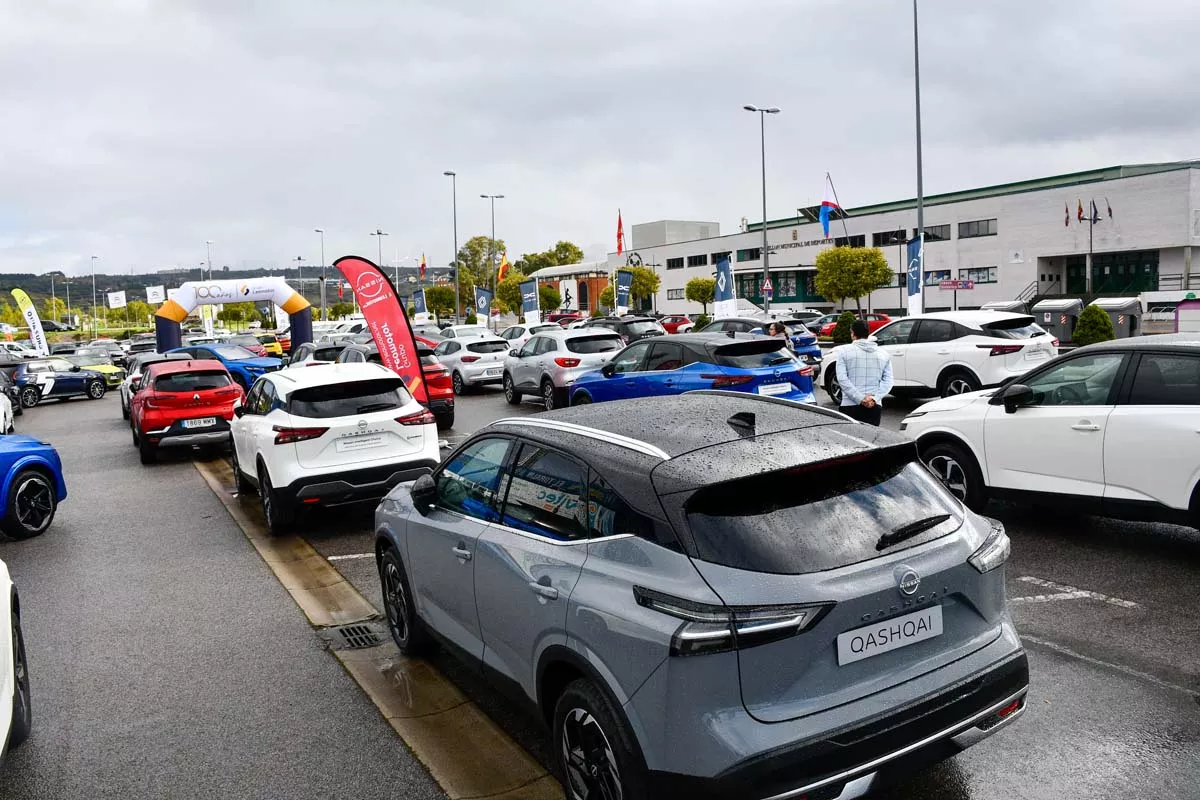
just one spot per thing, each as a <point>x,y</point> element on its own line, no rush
<point>624,284</point>
<point>724,297</point>
<point>483,302</point>
<point>529,297</point>
<point>914,266</point>
<point>419,306</point>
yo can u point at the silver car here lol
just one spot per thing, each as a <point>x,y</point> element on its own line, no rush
<point>549,363</point>
<point>712,595</point>
<point>473,361</point>
<point>518,335</point>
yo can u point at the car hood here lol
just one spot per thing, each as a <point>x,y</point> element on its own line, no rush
<point>107,369</point>
<point>955,402</point>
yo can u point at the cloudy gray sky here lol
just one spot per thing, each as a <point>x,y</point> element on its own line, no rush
<point>137,129</point>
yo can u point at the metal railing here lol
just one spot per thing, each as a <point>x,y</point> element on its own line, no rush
<point>1176,282</point>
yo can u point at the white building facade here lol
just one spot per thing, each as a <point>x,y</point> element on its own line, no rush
<point>1016,241</point>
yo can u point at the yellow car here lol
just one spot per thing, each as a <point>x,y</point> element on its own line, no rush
<point>270,344</point>
<point>97,362</point>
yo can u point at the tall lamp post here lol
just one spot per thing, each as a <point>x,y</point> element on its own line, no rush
<point>453,176</point>
<point>378,234</point>
<point>95,333</point>
<point>208,243</point>
<point>300,272</point>
<point>324,313</point>
<point>762,123</point>
<point>492,198</point>
<point>919,306</point>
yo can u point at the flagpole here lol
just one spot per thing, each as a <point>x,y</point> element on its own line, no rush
<point>829,178</point>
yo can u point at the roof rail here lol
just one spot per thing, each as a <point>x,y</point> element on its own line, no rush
<point>629,443</point>
<point>762,398</point>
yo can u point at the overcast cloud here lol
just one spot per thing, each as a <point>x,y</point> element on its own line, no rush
<point>137,129</point>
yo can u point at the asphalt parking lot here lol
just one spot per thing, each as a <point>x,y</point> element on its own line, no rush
<point>157,637</point>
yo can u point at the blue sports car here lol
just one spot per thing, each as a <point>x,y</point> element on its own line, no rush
<point>686,362</point>
<point>243,366</point>
<point>56,378</point>
<point>32,486</point>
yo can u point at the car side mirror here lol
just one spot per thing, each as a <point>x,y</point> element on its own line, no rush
<point>239,410</point>
<point>1015,396</point>
<point>424,492</point>
<point>75,368</point>
<point>608,370</point>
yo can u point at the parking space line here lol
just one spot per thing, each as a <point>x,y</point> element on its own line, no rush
<point>1136,673</point>
<point>349,556</point>
<point>1063,592</point>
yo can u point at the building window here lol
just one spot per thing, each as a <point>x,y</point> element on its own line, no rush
<point>936,233</point>
<point>697,261</point>
<point>675,263</point>
<point>933,277</point>
<point>718,257</point>
<point>898,279</point>
<point>675,294</point>
<point>784,284</point>
<point>980,227</point>
<point>885,238</point>
<point>979,274</point>
<point>851,241</point>
<point>750,254</point>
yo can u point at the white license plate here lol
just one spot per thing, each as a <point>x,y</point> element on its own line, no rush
<point>493,373</point>
<point>358,443</point>
<point>775,388</point>
<point>888,635</point>
<point>203,422</point>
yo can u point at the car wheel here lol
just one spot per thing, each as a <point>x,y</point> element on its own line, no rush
<point>408,632</point>
<point>593,747</point>
<point>832,388</point>
<point>581,399</point>
<point>511,395</point>
<point>95,390</point>
<point>30,396</point>
<point>955,467</point>
<point>147,451</point>
<point>32,502</point>
<point>276,511</point>
<point>459,386</point>
<point>22,709</point>
<point>957,382</point>
<point>552,398</point>
<point>124,409</point>
<point>445,420</point>
<point>240,483</point>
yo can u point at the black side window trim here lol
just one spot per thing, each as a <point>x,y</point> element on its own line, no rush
<point>504,467</point>
<point>506,480</point>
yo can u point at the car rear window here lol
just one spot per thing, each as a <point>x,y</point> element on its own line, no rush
<point>346,399</point>
<point>540,328</point>
<point>1015,328</point>
<point>488,347</point>
<point>595,344</point>
<point>821,516</point>
<point>267,338</point>
<point>466,333</point>
<point>191,381</point>
<point>753,354</point>
<point>232,352</point>
<point>644,326</point>
<point>327,353</point>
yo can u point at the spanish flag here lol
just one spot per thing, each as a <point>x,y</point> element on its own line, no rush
<point>504,265</point>
<point>422,266</point>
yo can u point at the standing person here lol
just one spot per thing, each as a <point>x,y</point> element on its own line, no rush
<point>864,373</point>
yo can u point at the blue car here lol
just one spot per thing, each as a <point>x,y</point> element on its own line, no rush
<point>804,342</point>
<point>56,378</point>
<point>244,367</point>
<point>33,485</point>
<point>686,362</point>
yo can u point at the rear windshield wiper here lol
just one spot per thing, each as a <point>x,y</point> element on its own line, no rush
<point>369,407</point>
<point>780,360</point>
<point>909,530</point>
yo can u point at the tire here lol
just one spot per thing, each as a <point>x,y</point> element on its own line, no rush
<point>277,512</point>
<point>22,710</point>
<point>511,395</point>
<point>581,399</point>
<point>95,390</point>
<point>552,398</point>
<point>957,381</point>
<point>957,470</point>
<point>582,714</point>
<point>408,632</point>
<point>124,409</point>
<point>832,388</point>
<point>147,451</point>
<point>30,506</point>
<point>459,386</point>
<point>445,420</point>
<point>243,486</point>
<point>30,396</point>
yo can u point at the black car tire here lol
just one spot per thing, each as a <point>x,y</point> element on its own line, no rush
<point>832,388</point>
<point>240,483</point>
<point>445,420</point>
<point>957,381</point>
<point>240,381</point>
<point>95,389</point>
<point>581,399</point>
<point>124,409</point>
<point>552,397</point>
<point>22,708</point>
<point>511,395</point>
<point>583,716</point>
<point>30,396</point>
<point>30,506</point>
<point>408,632</point>
<point>955,467</point>
<point>277,512</point>
<point>460,387</point>
<point>147,451</point>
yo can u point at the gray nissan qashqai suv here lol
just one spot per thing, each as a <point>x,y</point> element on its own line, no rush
<point>711,595</point>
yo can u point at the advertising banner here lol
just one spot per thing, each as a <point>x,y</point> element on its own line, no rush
<point>37,337</point>
<point>386,320</point>
<point>116,299</point>
<point>184,300</point>
<point>420,308</point>
<point>530,306</point>
<point>155,294</point>
<point>483,304</point>
<point>915,264</point>
<point>724,298</point>
<point>569,289</point>
<point>624,284</point>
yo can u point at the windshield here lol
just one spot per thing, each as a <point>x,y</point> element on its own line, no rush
<point>595,344</point>
<point>191,381</point>
<point>231,352</point>
<point>644,326</point>
<point>754,354</point>
<point>820,516</point>
<point>267,338</point>
<point>348,399</point>
<point>244,340</point>
<point>1021,328</point>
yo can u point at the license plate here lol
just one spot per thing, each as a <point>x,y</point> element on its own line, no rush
<point>358,443</point>
<point>775,388</point>
<point>203,422</point>
<point>888,635</point>
<point>493,373</point>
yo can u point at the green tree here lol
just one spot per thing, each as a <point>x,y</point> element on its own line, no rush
<point>342,309</point>
<point>645,283</point>
<point>440,299</point>
<point>474,268</point>
<point>549,298</point>
<point>563,252</point>
<point>53,308</point>
<point>508,292</point>
<point>1094,326</point>
<point>608,297</point>
<point>844,272</point>
<point>700,290</point>
<point>239,313</point>
<point>139,312</point>
<point>10,314</point>
<point>841,331</point>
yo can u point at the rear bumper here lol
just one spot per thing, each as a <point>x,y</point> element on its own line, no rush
<point>476,376</point>
<point>441,405</point>
<point>354,485</point>
<point>209,439</point>
<point>175,435</point>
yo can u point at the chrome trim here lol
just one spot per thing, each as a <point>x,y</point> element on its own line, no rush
<point>190,439</point>
<point>956,730</point>
<point>627,442</point>
<point>561,543</point>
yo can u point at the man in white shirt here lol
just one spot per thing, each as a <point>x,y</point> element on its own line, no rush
<point>864,373</point>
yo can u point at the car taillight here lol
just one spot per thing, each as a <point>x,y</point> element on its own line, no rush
<point>469,359</point>
<point>151,401</point>
<point>1056,343</point>
<point>285,435</point>
<point>422,417</point>
<point>567,362</point>
<point>722,381</point>
<point>806,372</point>
<point>1001,349</point>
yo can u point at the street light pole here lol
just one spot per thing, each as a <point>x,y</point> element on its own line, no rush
<point>920,306</point>
<point>94,329</point>
<point>492,198</point>
<point>324,313</point>
<point>762,120</point>
<point>208,243</point>
<point>454,206</point>
<point>300,272</point>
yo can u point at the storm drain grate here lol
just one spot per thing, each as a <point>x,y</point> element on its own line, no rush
<point>356,637</point>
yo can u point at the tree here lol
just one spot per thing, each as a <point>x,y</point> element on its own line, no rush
<point>700,290</point>
<point>608,297</point>
<point>1094,326</point>
<point>342,309</point>
<point>139,311</point>
<point>841,331</point>
<point>844,272</point>
<point>53,308</point>
<point>239,313</point>
<point>508,292</point>
<point>549,298</point>
<point>474,268</point>
<point>645,283</point>
<point>10,314</point>
<point>563,252</point>
<point>440,299</point>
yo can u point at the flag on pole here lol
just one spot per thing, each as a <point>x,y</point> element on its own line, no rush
<point>504,266</point>
<point>422,266</point>
<point>1067,208</point>
<point>1095,213</point>
<point>828,204</point>
<point>1079,213</point>
<point>620,233</point>
<point>341,286</point>
<point>1109,207</point>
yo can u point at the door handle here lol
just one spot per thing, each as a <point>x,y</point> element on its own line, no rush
<point>461,552</point>
<point>544,590</point>
<point>1084,425</point>
<point>943,352</point>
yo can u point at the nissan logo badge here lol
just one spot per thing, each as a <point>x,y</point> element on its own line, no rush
<point>909,582</point>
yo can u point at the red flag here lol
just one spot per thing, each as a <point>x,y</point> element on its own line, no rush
<point>1080,212</point>
<point>341,283</point>
<point>422,266</point>
<point>387,322</point>
<point>620,233</point>
<point>504,265</point>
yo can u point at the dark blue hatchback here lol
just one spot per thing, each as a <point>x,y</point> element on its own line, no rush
<point>56,378</point>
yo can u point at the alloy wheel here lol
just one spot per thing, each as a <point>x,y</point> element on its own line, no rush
<point>548,395</point>
<point>458,383</point>
<point>958,386</point>
<point>394,601</point>
<point>34,502</point>
<point>951,474</point>
<point>591,766</point>
<point>509,389</point>
<point>30,396</point>
<point>95,390</point>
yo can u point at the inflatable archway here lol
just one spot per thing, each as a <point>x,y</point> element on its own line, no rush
<point>252,290</point>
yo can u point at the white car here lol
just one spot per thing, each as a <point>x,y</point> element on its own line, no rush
<point>466,332</point>
<point>517,335</point>
<point>1112,428</point>
<point>952,352</point>
<point>474,361</point>
<point>340,434</point>
<point>15,714</point>
<point>19,350</point>
<point>7,418</point>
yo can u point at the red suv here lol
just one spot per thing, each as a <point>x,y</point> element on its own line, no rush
<point>563,318</point>
<point>183,403</point>
<point>674,322</point>
<point>874,323</point>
